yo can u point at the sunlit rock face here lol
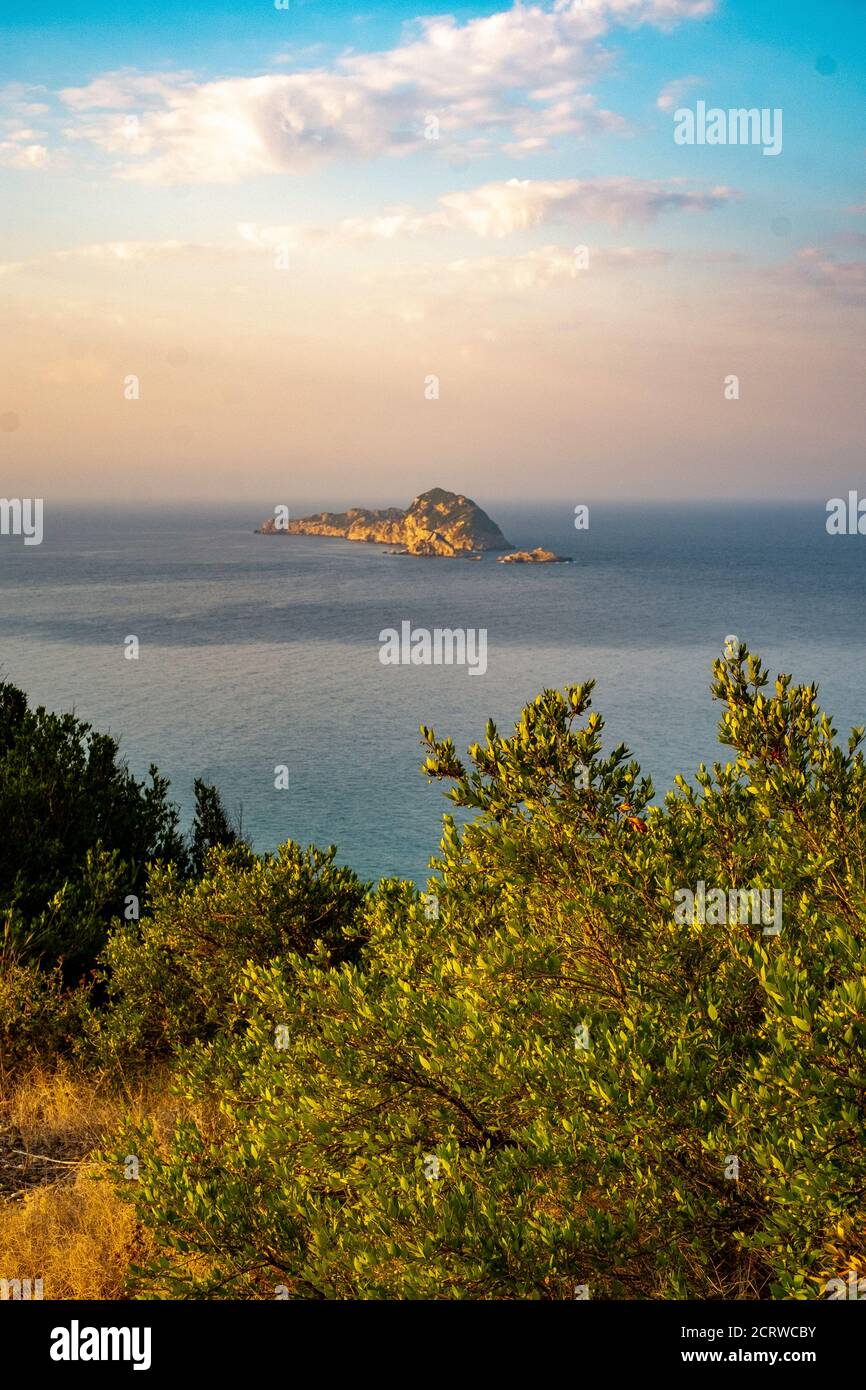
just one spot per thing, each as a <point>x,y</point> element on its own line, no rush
<point>538,556</point>
<point>438,523</point>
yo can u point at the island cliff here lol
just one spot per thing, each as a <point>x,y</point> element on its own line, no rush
<point>437,523</point>
<point>538,556</point>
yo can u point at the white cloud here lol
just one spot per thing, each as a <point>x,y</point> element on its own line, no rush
<point>491,211</point>
<point>138,252</point>
<point>17,98</point>
<point>131,253</point>
<point>672,94</point>
<point>548,265</point>
<point>14,155</point>
<point>521,73</point>
<point>497,210</point>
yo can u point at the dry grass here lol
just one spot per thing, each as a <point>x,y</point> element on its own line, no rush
<point>59,1219</point>
<point>78,1237</point>
<point>61,1112</point>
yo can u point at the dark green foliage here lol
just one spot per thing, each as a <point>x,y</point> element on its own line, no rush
<point>211,829</point>
<point>77,832</point>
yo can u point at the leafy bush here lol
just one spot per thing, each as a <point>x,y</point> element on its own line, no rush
<point>172,977</point>
<point>39,1016</point>
<point>78,831</point>
<point>559,1080</point>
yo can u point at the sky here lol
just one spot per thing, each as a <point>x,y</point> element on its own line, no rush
<point>344,253</point>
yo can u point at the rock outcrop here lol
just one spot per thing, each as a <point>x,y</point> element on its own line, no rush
<point>538,556</point>
<point>438,523</point>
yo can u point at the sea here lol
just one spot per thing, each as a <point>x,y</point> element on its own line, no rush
<point>259,653</point>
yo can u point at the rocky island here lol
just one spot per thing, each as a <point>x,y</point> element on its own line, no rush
<point>538,556</point>
<point>437,523</point>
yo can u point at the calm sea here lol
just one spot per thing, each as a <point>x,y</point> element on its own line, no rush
<point>259,651</point>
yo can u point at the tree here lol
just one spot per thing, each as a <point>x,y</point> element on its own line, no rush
<point>211,826</point>
<point>78,831</point>
<point>564,1078</point>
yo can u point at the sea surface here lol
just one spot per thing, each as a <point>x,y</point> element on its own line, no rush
<point>260,651</point>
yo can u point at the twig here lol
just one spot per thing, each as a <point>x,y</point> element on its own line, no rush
<point>43,1158</point>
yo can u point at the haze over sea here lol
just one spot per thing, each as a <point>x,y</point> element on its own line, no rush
<point>258,651</point>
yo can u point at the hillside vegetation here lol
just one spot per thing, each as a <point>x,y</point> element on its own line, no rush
<point>542,1078</point>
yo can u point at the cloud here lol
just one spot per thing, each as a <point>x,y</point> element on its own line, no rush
<point>671,94</point>
<point>544,266</point>
<point>520,73</point>
<point>817,272</point>
<point>131,253</point>
<point>497,210</point>
<point>15,155</point>
<point>140,252</point>
<point>126,88</point>
<point>17,99</point>
<point>492,211</point>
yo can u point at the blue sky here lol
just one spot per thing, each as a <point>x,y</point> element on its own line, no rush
<point>749,52</point>
<point>155,158</point>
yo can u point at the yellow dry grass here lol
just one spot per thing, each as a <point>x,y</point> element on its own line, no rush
<point>72,1231</point>
<point>77,1237</point>
<point>60,1112</point>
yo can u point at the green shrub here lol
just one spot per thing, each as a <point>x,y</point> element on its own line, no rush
<point>39,1016</point>
<point>172,977</point>
<point>78,831</point>
<point>558,1080</point>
